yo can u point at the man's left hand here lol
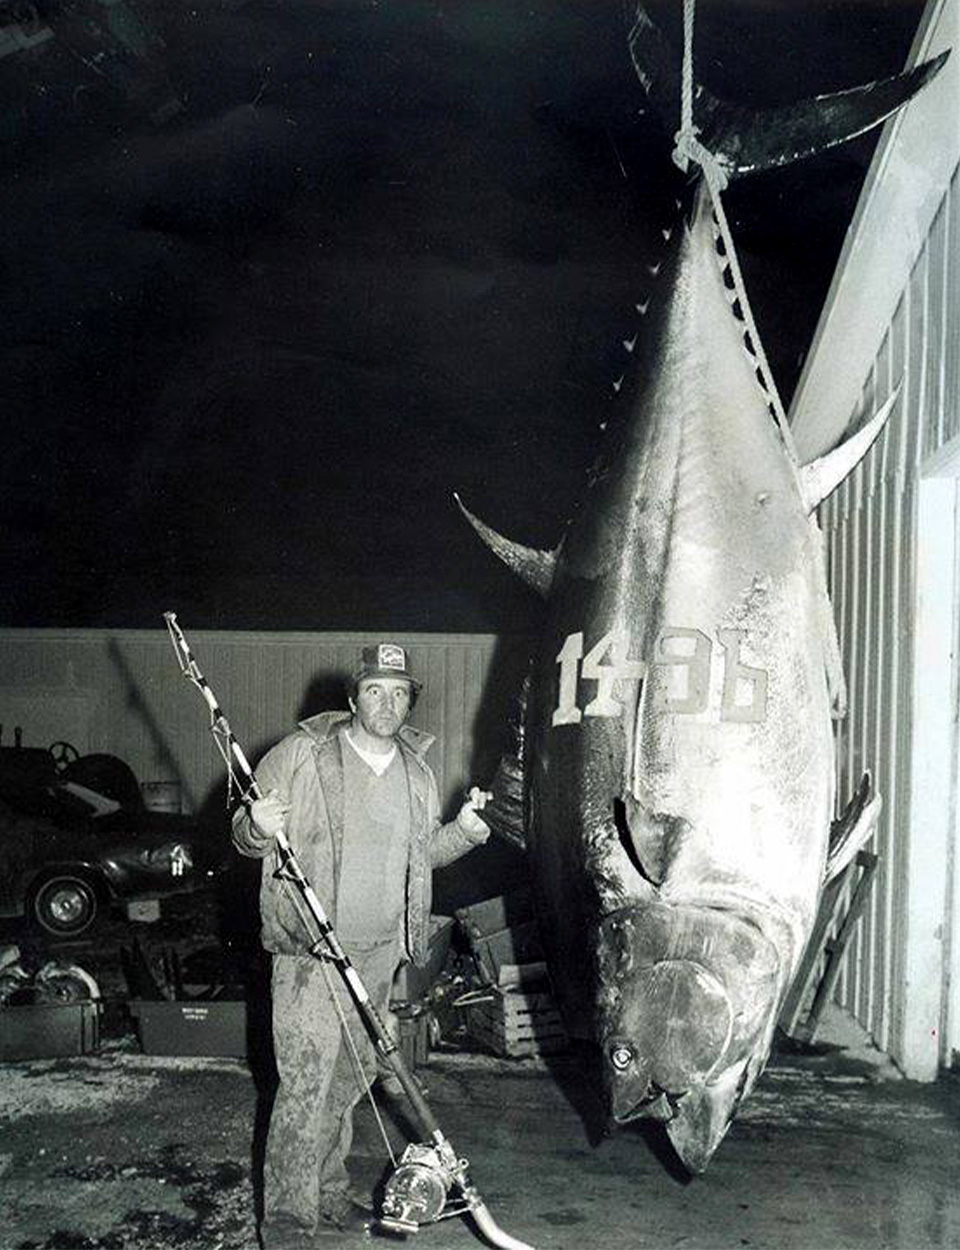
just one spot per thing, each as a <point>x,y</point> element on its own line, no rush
<point>469,818</point>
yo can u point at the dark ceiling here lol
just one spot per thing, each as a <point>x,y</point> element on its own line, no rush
<point>278,277</point>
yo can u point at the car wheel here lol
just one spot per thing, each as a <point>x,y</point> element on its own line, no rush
<point>65,905</point>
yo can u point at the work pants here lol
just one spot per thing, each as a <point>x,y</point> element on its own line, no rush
<point>311,1125</point>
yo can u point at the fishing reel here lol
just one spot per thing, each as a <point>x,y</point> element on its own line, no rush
<point>417,1191</point>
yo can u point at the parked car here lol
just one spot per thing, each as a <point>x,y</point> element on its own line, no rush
<point>77,837</point>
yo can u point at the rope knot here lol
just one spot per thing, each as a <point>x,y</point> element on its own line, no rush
<point>687,147</point>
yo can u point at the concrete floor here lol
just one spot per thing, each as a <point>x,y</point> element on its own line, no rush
<point>123,1151</point>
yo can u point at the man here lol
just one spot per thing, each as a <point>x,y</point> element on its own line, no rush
<point>358,803</point>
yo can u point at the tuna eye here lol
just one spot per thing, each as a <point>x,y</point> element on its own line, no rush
<point>621,1057</point>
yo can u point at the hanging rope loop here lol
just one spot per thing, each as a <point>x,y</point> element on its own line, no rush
<point>687,147</point>
<point>686,143</point>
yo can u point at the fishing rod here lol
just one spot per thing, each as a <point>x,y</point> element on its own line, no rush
<point>420,1187</point>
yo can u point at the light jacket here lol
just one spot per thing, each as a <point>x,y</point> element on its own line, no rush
<point>306,768</point>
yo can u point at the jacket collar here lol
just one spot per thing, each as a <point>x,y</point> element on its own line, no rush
<point>326,724</point>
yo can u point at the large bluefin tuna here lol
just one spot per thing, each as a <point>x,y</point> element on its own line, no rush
<point>678,748</point>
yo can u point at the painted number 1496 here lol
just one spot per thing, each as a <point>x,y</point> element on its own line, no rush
<point>680,673</point>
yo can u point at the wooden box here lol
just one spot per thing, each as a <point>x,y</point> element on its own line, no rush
<point>501,931</point>
<point>518,1021</point>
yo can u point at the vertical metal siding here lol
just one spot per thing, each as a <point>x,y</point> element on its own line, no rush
<point>882,673</point>
<point>870,531</point>
<point>147,714</point>
<point>869,636</point>
<point>951,354</point>
<point>936,302</point>
<point>844,609</point>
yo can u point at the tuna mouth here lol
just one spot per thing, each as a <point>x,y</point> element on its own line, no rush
<point>656,1105</point>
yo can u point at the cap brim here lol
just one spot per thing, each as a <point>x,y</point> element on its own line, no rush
<point>371,674</point>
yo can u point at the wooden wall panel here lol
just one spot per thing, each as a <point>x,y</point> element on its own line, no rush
<point>146,713</point>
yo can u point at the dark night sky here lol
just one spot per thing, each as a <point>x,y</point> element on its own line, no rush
<point>386,249</point>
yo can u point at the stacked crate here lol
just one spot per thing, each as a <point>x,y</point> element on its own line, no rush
<point>514,1014</point>
<point>517,1021</point>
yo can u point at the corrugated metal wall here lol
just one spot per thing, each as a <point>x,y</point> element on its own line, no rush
<point>870,530</point>
<point>121,692</point>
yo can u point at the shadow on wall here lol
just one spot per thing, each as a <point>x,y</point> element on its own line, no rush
<point>165,756</point>
<point>327,692</point>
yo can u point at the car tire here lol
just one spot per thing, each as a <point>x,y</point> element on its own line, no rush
<point>65,905</point>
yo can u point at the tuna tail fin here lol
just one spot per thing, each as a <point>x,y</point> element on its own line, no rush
<point>745,141</point>
<point>822,476</point>
<point>535,567</point>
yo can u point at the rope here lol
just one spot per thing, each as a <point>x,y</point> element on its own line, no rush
<point>687,133</point>
<point>687,147</point>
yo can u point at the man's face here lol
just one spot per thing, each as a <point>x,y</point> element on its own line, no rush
<point>383,704</point>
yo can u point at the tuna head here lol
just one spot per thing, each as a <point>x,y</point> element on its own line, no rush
<point>685,1011</point>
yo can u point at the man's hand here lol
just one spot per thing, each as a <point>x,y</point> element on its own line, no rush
<point>468,817</point>
<point>268,816</point>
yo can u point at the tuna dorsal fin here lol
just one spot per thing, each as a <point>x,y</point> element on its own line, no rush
<point>746,140</point>
<point>823,475</point>
<point>534,566</point>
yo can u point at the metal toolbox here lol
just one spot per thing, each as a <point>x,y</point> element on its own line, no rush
<point>190,1027</point>
<point>49,1030</point>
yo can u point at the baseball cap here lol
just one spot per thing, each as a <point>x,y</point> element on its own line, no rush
<point>385,659</point>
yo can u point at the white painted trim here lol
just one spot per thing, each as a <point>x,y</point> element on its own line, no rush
<point>908,177</point>
<point>930,821</point>
<point>950,1051</point>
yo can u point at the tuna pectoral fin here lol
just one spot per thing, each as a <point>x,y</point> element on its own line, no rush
<point>504,812</point>
<point>535,567</point>
<point>821,476</point>
<point>851,831</point>
<point>649,837</point>
<point>703,1116</point>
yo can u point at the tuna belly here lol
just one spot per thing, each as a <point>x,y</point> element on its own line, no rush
<point>581,865</point>
<point>687,996</point>
<point>581,870</point>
